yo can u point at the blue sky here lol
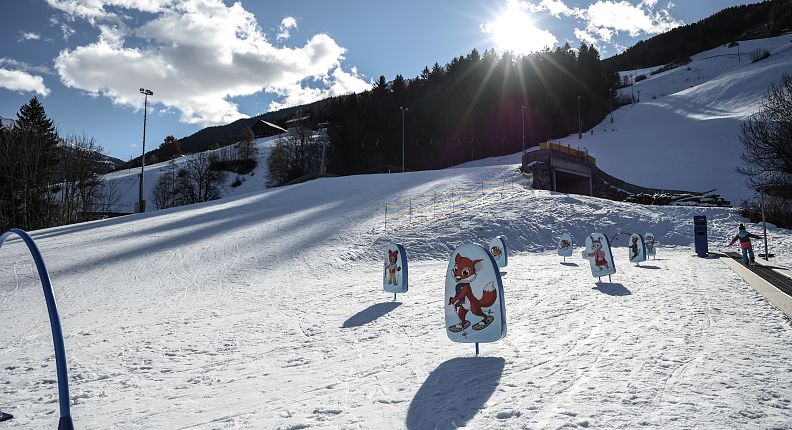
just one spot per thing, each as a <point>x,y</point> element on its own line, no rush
<point>210,62</point>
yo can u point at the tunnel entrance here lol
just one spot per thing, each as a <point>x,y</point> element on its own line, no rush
<point>571,183</point>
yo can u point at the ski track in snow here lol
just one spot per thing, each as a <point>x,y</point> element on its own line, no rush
<point>267,311</point>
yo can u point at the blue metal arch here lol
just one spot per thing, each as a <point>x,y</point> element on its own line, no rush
<point>65,422</point>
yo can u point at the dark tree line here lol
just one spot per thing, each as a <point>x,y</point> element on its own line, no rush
<point>768,18</point>
<point>467,109</point>
<point>46,180</point>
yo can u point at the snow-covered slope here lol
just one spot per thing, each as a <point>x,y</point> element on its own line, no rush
<point>266,310</point>
<point>684,133</point>
<point>125,183</point>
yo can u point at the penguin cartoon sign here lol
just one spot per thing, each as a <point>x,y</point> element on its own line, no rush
<point>394,278</point>
<point>475,310</point>
<point>599,254</point>
<point>650,242</point>
<point>565,246</point>
<point>499,251</point>
<point>636,249</point>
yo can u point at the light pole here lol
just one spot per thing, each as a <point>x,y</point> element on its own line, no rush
<point>580,124</point>
<point>610,100</point>
<point>141,202</point>
<point>403,109</point>
<point>764,225</point>
<point>523,128</point>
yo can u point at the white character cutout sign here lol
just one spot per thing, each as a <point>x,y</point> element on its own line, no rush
<point>499,251</point>
<point>394,278</point>
<point>650,241</point>
<point>475,310</point>
<point>636,249</point>
<point>599,254</point>
<point>565,246</point>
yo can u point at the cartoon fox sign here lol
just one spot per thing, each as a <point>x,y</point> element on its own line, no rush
<point>636,249</point>
<point>599,254</point>
<point>499,251</point>
<point>394,277</point>
<point>565,245</point>
<point>475,310</point>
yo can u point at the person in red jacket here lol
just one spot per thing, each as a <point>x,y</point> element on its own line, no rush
<point>745,244</point>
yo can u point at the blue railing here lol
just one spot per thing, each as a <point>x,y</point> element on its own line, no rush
<point>65,422</point>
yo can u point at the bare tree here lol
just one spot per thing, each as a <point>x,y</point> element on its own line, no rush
<point>195,182</point>
<point>246,148</point>
<point>767,139</point>
<point>82,189</point>
<point>296,153</point>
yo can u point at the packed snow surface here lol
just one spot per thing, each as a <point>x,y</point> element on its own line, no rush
<point>266,310</point>
<point>684,132</point>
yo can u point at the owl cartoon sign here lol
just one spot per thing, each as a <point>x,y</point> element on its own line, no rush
<point>636,249</point>
<point>394,278</point>
<point>565,246</point>
<point>650,242</point>
<point>499,251</point>
<point>475,310</point>
<point>599,254</point>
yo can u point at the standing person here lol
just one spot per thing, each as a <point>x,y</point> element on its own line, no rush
<point>745,244</point>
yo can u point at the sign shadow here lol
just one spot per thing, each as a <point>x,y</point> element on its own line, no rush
<point>454,392</point>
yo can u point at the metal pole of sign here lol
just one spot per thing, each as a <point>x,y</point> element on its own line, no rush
<point>386,217</point>
<point>764,226</point>
<point>411,209</point>
<point>65,422</point>
<point>609,279</point>
<point>477,349</point>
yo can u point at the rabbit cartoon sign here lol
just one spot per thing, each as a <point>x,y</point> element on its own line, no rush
<point>636,249</point>
<point>565,246</point>
<point>499,251</point>
<point>475,310</point>
<point>650,242</point>
<point>599,254</point>
<point>394,278</point>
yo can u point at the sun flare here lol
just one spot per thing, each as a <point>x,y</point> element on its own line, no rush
<point>514,30</point>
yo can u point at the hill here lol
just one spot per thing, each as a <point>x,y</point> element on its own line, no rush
<point>266,310</point>
<point>759,20</point>
<point>684,132</point>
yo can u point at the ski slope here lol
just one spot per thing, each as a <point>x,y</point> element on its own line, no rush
<point>126,186</point>
<point>266,310</point>
<point>684,133</point>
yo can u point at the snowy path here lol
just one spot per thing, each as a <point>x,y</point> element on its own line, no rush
<point>696,347</point>
<point>266,311</point>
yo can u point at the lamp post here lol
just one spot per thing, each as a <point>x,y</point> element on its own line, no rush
<point>580,124</point>
<point>523,128</point>
<point>610,100</point>
<point>403,109</point>
<point>764,226</point>
<point>141,202</point>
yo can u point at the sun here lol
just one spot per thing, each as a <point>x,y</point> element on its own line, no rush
<point>514,30</point>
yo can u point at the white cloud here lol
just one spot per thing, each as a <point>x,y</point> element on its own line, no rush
<point>622,16</point>
<point>340,82</point>
<point>12,64</point>
<point>29,35</point>
<point>284,30</point>
<point>556,8</point>
<point>198,54</point>
<point>18,80</point>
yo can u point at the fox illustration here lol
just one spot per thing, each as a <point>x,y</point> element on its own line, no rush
<point>391,267</point>
<point>565,244</point>
<point>464,273</point>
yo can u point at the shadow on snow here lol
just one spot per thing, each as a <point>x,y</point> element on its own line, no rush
<point>612,289</point>
<point>370,314</point>
<point>454,392</point>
